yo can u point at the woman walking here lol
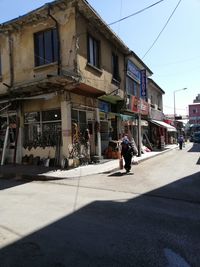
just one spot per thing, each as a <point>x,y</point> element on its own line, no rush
<point>127,152</point>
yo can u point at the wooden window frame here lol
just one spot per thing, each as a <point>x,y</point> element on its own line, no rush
<point>115,67</point>
<point>93,47</point>
<point>46,47</point>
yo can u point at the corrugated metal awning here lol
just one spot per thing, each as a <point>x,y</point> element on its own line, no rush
<point>165,125</point>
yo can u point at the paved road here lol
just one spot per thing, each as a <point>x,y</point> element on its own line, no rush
<point>149,218</point>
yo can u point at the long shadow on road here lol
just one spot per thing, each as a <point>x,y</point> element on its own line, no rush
<point>8,182</point>
<point>161,228</point>
<point>195,148</point>
<point>11,175</point>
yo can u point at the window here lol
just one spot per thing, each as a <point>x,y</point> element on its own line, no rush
<point>46,47</point>
<point>93,51</point>
<point>152,102</point>
<point>42,128</point>
<point>131,86</point>
<point>115,67</point>
<point>159,101</point>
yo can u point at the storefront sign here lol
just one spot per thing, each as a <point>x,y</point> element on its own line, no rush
<point>144,107</point>
<point>156,114</point>
<point>128,120</point>
<point>139,106</point>
<point>135,104</point>
<point>143,86</point>
<point>104,106</point>
<point>132,71</point>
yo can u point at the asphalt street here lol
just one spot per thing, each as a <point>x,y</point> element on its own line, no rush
<point>150,217</point>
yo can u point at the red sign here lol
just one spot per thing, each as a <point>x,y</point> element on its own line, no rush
<point>135,102</point>
<point>144,107</point>
<point>139,106</point>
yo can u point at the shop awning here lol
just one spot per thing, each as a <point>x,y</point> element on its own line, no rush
<point>165,125</point>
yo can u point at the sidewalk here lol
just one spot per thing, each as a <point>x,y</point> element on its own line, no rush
<point>44,173</point>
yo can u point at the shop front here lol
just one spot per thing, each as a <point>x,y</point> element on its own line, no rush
<point>161,133</point>
<point>59,130</point>
<point>109,130</point>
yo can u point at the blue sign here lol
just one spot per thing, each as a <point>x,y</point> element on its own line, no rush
<point>104,106</point>
<point>143,83</point>
<point>132,71</point>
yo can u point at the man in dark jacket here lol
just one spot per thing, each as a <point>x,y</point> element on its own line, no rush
<point>127,150</point>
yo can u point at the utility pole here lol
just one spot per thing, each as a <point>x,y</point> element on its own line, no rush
<point>139,134</point>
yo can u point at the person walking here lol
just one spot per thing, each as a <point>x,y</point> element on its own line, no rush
<point>127,152</point>
<point>180,142</point>
<point>87,144</point>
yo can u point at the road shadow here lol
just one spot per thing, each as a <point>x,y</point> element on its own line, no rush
<point>6,183</point>
<point>195,148</point>
<point>146,231</point>
<point>23,174</point>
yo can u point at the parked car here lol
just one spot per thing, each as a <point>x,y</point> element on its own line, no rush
<point>196,137</point>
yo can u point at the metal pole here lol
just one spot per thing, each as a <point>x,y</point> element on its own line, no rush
<point>174,105</point>
<point>139,134</point>
<point>5,146</point>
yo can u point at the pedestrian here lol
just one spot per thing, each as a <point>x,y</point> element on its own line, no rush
<point>127,152</point>
<point>180,141</point>
<point>87,143</point>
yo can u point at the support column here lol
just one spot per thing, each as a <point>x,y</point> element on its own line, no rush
<point>98,147</point>
<point>139,135</point>
<point>66,127</point>
<point>20,137</point>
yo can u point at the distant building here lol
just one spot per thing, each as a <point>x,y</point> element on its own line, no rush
<point>194,115</point>
<point>197,99</point>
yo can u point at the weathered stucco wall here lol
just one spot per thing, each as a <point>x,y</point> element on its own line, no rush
<point>155,96</point>
<point>23,50</point>
<point>5,66</point>
<point>102,78</point>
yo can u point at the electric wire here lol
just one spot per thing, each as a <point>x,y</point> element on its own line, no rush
<point>162,29</point>
<point>120,16</point>
<point>136,13</point>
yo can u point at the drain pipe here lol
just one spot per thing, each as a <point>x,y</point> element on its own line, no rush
<point>11,65</point>
<point>58,38</point>
<point>10,41</point>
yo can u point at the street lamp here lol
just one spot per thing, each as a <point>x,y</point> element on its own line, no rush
<point>175,100</point>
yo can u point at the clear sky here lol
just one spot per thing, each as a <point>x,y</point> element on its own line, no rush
<point>175,57</point>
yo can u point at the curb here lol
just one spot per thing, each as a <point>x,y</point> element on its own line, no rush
<point>38,177</point>
<point>144,159</point>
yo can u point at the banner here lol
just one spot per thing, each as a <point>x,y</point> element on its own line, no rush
<point>143,84</point>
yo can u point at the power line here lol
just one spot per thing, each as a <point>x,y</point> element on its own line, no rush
<point>136,13</point>
<point>162,29</point>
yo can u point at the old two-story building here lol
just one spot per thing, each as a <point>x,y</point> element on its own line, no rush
<point>63,74</point>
